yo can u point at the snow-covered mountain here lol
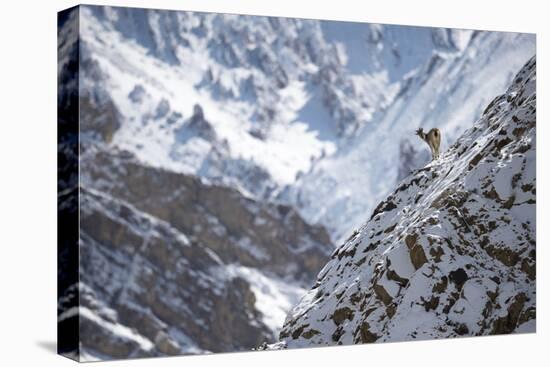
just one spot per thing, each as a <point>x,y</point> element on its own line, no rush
<point>222,156</point>
<point>155,261</point>
<point>450,252</point>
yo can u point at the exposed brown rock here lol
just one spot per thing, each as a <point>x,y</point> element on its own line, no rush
<point>382,294</point>
<point>366,335</point>
<point>342,314</point>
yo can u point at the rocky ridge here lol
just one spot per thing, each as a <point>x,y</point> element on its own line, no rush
<point>450,252</point>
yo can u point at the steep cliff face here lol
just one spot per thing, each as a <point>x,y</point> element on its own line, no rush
<point>266,236</point>
<point>172,265</point>
<point>450,252</point>
<point>148,289</point>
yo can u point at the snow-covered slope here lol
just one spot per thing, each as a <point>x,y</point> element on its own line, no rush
<point>450,252</point>
<point>249,77</point>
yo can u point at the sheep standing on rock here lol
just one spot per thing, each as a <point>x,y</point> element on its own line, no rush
<point>433,139</point>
